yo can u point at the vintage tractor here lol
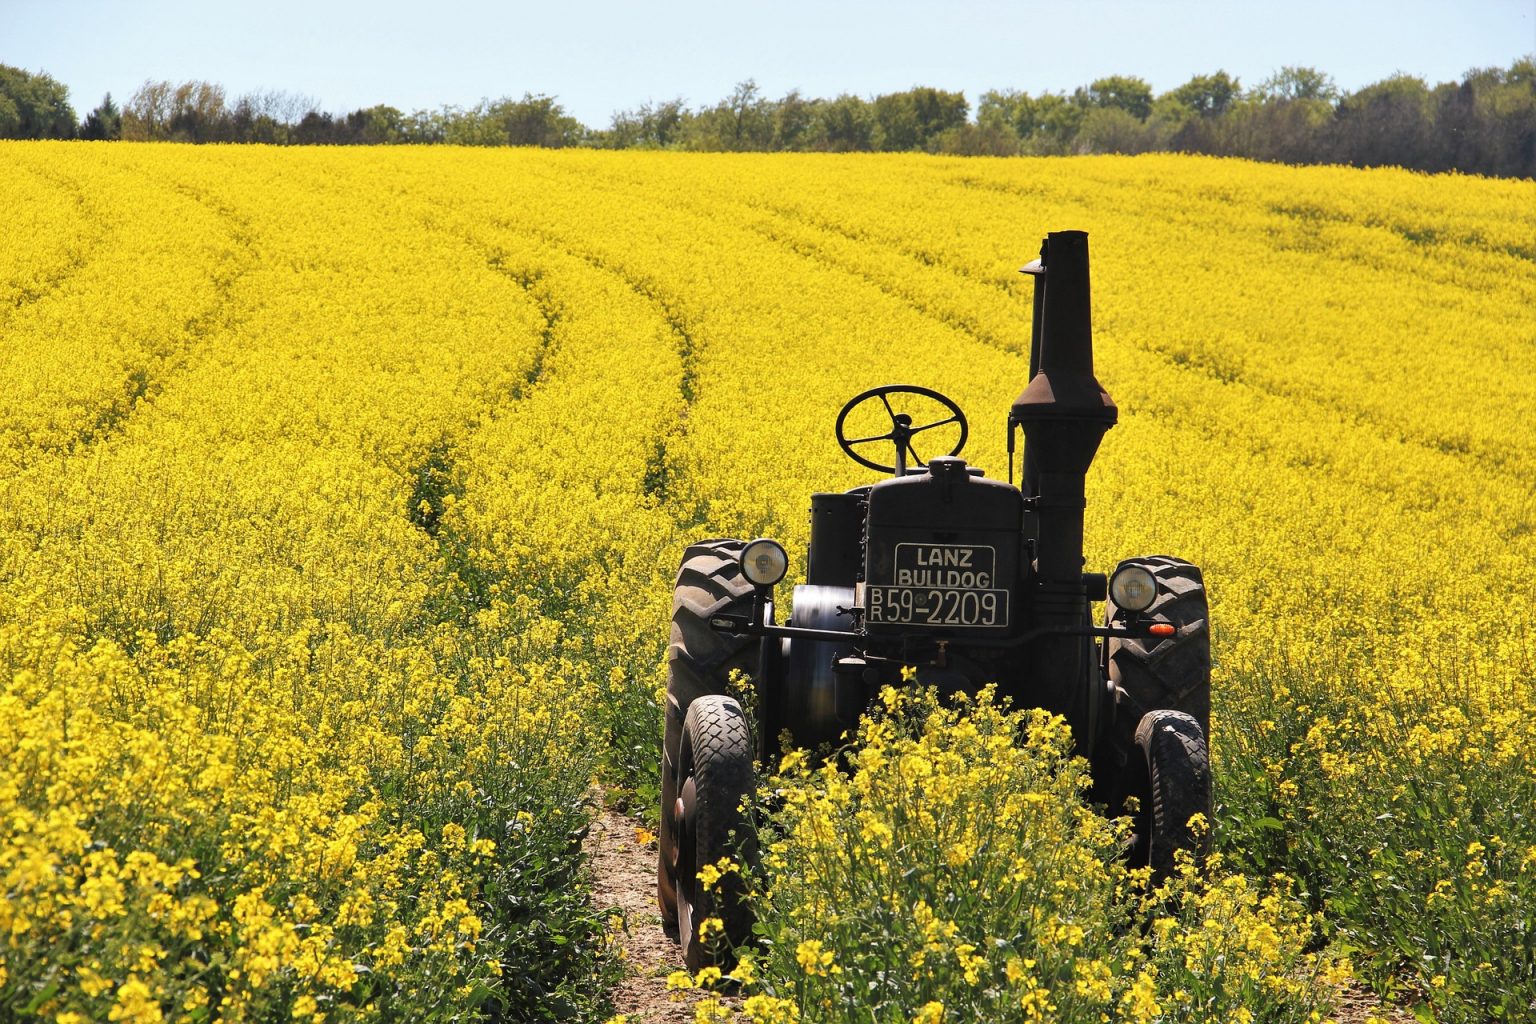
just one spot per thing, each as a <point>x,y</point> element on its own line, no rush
<point>970,581</point>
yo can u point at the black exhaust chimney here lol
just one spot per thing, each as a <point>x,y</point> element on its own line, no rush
<point>1064,412</point>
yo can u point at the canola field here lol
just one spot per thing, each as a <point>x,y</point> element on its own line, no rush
<point>343,493</point>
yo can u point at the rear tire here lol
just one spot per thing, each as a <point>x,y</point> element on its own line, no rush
<point>699,662</point>
<point>1164,672</point>
<point>1179,768</point>
<point>715,776</point>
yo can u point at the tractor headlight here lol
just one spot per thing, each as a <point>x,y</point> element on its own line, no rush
<point>1133,588</point>
<point>764,562</point>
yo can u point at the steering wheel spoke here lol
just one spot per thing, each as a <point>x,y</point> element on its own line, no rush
<point>902,430</point>
<point>935,423</point>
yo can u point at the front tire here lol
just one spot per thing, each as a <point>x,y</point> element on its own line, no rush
<point>715,777</point>
<point>700,661</point>
<point>1179,774</point>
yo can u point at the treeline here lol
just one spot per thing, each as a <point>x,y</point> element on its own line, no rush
<point>1483,124</point>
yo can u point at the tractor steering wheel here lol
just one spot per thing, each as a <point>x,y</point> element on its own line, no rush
<point>902,430</point>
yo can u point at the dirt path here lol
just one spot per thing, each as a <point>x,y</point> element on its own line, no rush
<point>624,877</point>
<point>1357,1005</point>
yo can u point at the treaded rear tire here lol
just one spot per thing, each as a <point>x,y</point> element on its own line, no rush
<point>715,763</point>
<point>1165,672</point>
<point>1179,766</point>
<point>699,662</point>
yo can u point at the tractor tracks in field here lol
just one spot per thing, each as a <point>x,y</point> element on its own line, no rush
<point>555,274</point>
<point>550,310</point>
<point>533,280</point>
<point>1487,458</point>
<point>815,240</point>
<point>146,373</point>
<point>660,473</point>
<point>438,476</point>
<point>171,359</point>
<point>75,258</point>
<point>1358,1005</point>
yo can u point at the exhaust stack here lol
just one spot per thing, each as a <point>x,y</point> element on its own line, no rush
<point>1064,411</point>
<point>1064,414</point>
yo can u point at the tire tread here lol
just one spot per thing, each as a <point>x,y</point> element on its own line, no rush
<point>1179,764</point>
<point>1167,672</point>
<point>720,741</point>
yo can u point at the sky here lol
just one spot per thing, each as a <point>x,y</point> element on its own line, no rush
<point>604,56</point>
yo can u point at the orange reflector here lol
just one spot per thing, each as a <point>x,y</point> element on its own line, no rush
<point>1162,629</point>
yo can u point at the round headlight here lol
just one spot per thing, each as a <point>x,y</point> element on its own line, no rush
<point>1133,588</point>
<point>764,562</point>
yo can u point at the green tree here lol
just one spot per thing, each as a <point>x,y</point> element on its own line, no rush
<point>1056,122</point>
<point>423,127</point>
<point>198,113</point>
<point>1006,110</point>
<point>977,140</point>
<point>792,119</point>
<point>748,120</point>
<point>251,120</point>
<point>1298,84</point>
<point>376,126</point>
<point>534,120</point>
<point>193,111</point>
<point>648,126</point>
<point>1113,129</point>
<point>315,128</point>
<point>1208,95</point>
<point>910,120</point>
<point>1285,118</point>
<point>148,113</point>
<point>1191,118</point>
<point>1389,122</point>
<point>105,122</point>
<point>1121,92</point>
<point>663,122</point>
<point>742,121</point>
<point>34,106</point>
<point>845,124</point>
<point>938,111</point>
<point>470,127</point>
<point>1487,124</point>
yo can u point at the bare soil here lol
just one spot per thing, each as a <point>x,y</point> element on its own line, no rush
<point>622,853</point>
<point>1358,1004</point>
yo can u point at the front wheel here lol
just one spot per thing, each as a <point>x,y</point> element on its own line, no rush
<point>714,777</point>
<point>1179,771</point>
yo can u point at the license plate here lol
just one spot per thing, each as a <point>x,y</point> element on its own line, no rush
<point>940,585</point>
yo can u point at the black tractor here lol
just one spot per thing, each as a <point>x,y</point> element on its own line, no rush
<point>968,580</point>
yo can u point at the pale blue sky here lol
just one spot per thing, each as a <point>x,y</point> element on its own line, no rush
<point>608,55</point>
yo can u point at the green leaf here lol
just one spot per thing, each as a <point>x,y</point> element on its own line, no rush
<point>47,993</point>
